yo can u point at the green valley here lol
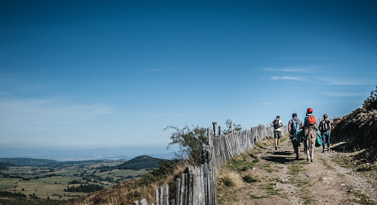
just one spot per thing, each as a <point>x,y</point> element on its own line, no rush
<point>39,179</point>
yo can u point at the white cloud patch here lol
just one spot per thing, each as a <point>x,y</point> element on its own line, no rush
<point>347,81</point>
<point>342,94</point>
<point>291,69</point>
<point>296,78</point>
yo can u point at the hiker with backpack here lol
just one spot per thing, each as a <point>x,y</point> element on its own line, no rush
<point>310,120</point>
<point>277,123</point>
<point>325,127</point>
<point>294,125</point>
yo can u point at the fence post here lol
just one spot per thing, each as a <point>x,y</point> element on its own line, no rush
<point>182,201</point>
<point>231,127</point>
<point>214,128</point>
<point>157,197</point>
<point>166,194</point>
<point>190,184</point>
<point>209,137</point>
<point>178,191</point>
<point>161,195</point>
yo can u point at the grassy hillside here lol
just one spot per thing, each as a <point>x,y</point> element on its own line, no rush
<point>144,187</point>
<point>358,129</point>
<point>140,162</point>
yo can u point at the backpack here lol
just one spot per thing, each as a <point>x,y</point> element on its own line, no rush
<point>276,124</point>
<point>325,125</point>
<point>311,120</point>
<point>318,142</point>
<point>295,126</point>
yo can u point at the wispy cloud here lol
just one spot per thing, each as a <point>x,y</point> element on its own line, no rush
<point>328,80</point>
<point>297,78</point>
<point>343,94</point>
<point>346,81</point>
<point>291,69</point>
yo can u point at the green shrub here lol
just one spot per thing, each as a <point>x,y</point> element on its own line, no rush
<point>228,182</point>
<point>371,102</point>
<point>190,142</point>
<point>250,178</point>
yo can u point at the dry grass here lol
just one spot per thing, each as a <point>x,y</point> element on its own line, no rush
<point>227,174</point>
<point>129,191</point>
<point>229,183</point>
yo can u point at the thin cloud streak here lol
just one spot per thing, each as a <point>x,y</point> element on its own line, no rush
<point>291,69</point>
<point>343,94</point>
<point>296,78</point>
<point>328,81</point>
<point>346,81</point>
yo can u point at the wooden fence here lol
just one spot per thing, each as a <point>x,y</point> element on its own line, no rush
<point>197,185</point>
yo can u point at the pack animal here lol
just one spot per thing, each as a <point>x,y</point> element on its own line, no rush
<point>309,137</point>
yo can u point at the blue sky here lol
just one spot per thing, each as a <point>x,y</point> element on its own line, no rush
<point>110,74</point>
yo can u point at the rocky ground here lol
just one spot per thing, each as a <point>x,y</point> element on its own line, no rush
<point>269,176</point>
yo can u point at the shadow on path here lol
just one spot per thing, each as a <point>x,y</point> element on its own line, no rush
<point>279,159</point>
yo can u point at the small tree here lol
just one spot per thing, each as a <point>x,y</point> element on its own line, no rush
<point>190,142</point>
<point>371,102</point>
<point>228,129</point>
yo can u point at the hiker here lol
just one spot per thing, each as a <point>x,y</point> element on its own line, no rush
<point>294,125</point>
<point>310,119</point>
<point>277,131</point>
<point>325,127</point>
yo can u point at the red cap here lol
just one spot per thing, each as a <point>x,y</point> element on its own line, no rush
<point>310,110</point>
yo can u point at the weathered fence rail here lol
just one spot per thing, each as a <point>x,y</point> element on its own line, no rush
<point>197,185</point>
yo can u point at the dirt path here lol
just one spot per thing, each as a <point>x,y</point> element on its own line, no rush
<point>275,177</point>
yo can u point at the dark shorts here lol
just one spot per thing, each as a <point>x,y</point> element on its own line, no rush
<point>277,134</point>
<point>295,143</point>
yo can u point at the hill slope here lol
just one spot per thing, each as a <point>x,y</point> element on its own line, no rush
<point>358,129</point>
<point>140,162</point>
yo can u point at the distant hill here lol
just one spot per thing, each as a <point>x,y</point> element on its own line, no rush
<point>140,162</point>
<point>28,161</point>
<point>44,162</point>
<point>68,163</point>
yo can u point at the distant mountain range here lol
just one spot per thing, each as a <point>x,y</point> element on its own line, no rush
<point>27,161</point>
<point>87,154</point>
<point>5,162</point>
<point>137,163</point>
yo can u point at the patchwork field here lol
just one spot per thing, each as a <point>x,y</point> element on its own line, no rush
<point>49,182</point>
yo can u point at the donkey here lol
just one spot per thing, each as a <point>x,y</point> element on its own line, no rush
<point>309,137</point>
